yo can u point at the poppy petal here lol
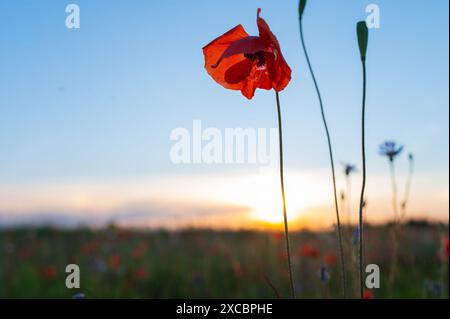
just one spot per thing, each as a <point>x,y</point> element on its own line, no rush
<point>280,71</point>
<point>239,72</point>
<point>248,45</point>
<point>214,51</point>
<point>265,33</point>
<point>258,78</point>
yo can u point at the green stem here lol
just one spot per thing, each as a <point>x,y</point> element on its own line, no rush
<point>330,151</point>
<point>363,187</point>
<point>395,230</point>
<point>407,190</point>
<point>349,201</point>
<point>286,230</point>
<point>394,191</point>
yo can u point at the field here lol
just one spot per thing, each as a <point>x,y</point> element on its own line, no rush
<point>121,263</point>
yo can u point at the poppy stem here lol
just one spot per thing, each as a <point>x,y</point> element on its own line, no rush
<point>330,151</point>
<point>363,187</point>
<point>286,230</point>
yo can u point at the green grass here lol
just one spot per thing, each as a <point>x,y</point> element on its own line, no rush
<point>209,264</point>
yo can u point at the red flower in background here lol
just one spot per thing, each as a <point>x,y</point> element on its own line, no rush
<point>445,248</point>
<point>141,273</point>
<point>310,251</point>
<point>330,259</point>
<point>368,294</point>
<point>277,236</point>
<point>238,61</point>
<point>115,261</point>
<point>50,272</point>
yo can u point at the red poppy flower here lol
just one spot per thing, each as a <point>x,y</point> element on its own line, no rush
<point>330,259</point>
<point>50,272</point>
<point>238,61</point>
<point>277,236</point>
<point>115,261</point>
<point>310,251</point>
<point>445,247</point>
<point>141,273</point>
<point>368,294</point>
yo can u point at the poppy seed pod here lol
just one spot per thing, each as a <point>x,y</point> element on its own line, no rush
<point>301,8</point>
<point>363,38</point>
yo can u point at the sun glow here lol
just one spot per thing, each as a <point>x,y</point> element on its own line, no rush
<point>267,206</point>
<point>222,200</point>
<point>269,217</point>
<point>261,193</point>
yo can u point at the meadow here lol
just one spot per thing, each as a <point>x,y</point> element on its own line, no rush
<point>193,263</point>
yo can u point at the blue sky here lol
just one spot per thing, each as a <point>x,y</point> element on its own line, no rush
<point>101,101</point>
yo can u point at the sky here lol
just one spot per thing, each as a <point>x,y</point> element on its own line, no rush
<point>86,114</point>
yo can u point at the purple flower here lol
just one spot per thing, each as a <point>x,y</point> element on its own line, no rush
<point>349,168</point>
<point>390,149</point>
<point>324,275</point>
<point>355,236</point>
<point>435,288</point>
